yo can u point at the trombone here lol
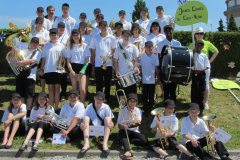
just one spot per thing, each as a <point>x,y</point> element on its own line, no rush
<point>164,142</point>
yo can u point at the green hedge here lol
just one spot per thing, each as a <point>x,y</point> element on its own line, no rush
<point>219,66</point>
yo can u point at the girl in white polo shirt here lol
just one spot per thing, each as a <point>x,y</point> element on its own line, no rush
<point>78,55</point>
<point>136,38</point>
<point>155,35</point>
<point>118,33</point>
<point>51,58</point>
<point>38,113</point>
<point>14,119</point>
<point>135,137</point>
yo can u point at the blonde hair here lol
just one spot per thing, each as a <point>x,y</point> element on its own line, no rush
<point>37,105</point>
<point>10,107</point>
<point>86,30</point>
<point>71,42</point>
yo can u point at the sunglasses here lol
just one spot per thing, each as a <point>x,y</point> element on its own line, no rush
<point>199,33</point>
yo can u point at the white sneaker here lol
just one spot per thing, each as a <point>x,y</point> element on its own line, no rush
<point>206,107</point>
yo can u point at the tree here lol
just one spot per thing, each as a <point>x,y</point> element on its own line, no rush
<point>221,26</point>
<point>232,26</point>
<point>138,6</point>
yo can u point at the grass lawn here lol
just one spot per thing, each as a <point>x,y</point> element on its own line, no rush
<point>221,102</point>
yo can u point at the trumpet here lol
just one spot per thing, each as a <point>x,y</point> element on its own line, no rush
<point>210,139</point>
<point>164,142</point>
<point>106,59</point>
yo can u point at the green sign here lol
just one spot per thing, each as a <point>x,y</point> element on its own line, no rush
<point>225,84</point>
<point>190,13</point>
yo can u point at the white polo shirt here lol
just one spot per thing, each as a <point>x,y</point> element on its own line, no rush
<point>15,112</point>
<point>69,112</point>
<point>173,43</point>
<point>139,39</point>
<point>155,39</point>
<point>51,52</point>
<point>145,24</point>
<point>131,53</point>
<point>63,39</point>
<point>118,40</point>
<point>69,24</point>
<point>165,20</point>
<point>37,57</point>
<point>193,130</point>
<point>148,65</point>
<point>103,111</point>
<point>97,31</point>
<point>94,23</point>
<point>47,24</point>
<point>40,111</point>
<point>173,128</point>
<point>126,115</point>
<point>202,60</point>
<point>43,35</point>
<point>127,25</point>
<point>87,39</point>
<point>77,54</point>
<point>103,47</point>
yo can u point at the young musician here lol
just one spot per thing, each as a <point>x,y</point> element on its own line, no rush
<point>192,130</point>
<point>38,113</point>
<point>14,119</point>
<point>124,64</point>
<point>199,76</point>
<point>149,68</point>
<point>169,88</point>
<point>170,134</point>
<point>47,23</point>
<point>74,112</point>
<point>67,19</point>
<point>82,18</point>
<point>144,21</point>
<point>135,137</point>
<point>24,86</point>
<point>102,44</point>
<point>155,35</point>
<point>95,12</point>
<point>52,58</point>
<point>78,55</point>
<point>95,31</point>
<point>137,38</point>
<point>162,19</point>
<point>118,33</point>
<point>97,114</point>
<point>63,38</point>
<point>50,14</point>
<point>122,16</point>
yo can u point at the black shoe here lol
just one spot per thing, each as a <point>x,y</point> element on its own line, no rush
<point>194,158</point>
<point>8,147</point>
<point>201,114</point>
<point>35,148</point>
<point>122,156</point>
<point>3,146</point>
<point>85,150</point>
<point>24,146</point>
<point>106,151</point>
<point>225,158</point>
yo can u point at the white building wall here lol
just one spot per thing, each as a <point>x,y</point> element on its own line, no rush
<point>238,2</point>
<point>237,19</point>
<point>231,3</point>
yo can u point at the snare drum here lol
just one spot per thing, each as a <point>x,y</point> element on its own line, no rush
<point>177,65</point>
<point>128,79</point>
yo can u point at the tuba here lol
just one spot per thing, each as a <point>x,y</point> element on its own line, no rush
<point>164,142</point>
<point>144,32</point>
<point>210,139</point>
<point>89,24</point>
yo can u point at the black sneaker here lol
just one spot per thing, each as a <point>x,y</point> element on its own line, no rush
<point>194,158</point>
<point>225,158</point>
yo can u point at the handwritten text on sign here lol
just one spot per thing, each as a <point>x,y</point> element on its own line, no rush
<point>190,13</point>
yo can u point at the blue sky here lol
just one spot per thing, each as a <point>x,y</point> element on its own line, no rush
<point>21,12</point>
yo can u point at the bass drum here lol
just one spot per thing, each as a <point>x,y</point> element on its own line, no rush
<point>176,65</point>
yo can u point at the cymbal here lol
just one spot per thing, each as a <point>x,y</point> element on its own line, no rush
<point>156,111</point>
<point>209,117</point>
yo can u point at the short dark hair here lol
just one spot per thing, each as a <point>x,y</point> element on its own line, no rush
<point>133,29</point>
<point>50,7</point>
<point>158,25</point>
<point>65,4</point>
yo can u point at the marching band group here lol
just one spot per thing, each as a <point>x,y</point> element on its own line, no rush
<point>99,51</point>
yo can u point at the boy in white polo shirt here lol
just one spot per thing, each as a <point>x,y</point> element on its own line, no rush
<point>95,31</point>
<point>102,44</point>
<point>149,68</point>
<point>199,76</point>
<point>95,12</point>
<point>162,19</point>
<point>122,16</point>
<point>170,134</point>
<point>67,19</point>
<point>47,23</point>
<point>121,63</point>
<point>144,21</point>
<point>192,129</point>
<point>97,114</point>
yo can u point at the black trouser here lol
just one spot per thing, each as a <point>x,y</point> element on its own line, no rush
<point>148,97</point>
<point>170,91</point>
<point>201,153</point>
<point>198,89</point>
<point>107,74</point>
<point>44,126</point>
<point>134,138</point>
<point>64,85</point>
